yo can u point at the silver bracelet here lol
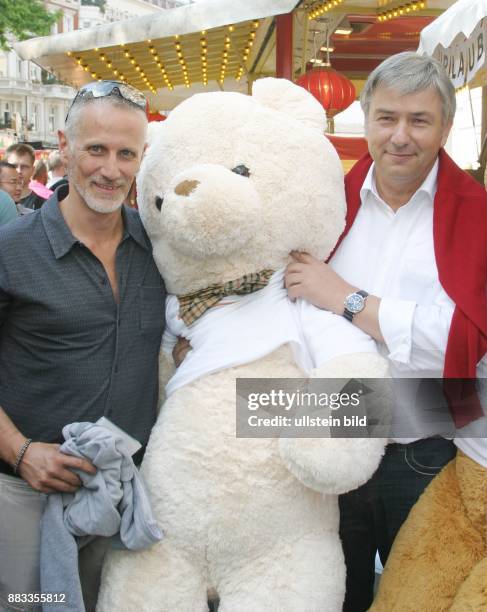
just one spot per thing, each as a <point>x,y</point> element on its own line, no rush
<point>21,454</point>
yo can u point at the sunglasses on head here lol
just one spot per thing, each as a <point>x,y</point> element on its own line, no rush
<point>104,89</point>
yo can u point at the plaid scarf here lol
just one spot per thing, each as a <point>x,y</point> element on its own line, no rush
<point>193,305</point>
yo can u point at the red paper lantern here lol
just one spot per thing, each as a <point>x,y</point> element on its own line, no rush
<point>333,90</point>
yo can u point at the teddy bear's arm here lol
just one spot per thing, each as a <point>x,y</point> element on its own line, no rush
<point>332,465</point>
<point>337,465</point>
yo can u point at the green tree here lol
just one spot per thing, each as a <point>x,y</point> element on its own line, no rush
<point>24,19</point>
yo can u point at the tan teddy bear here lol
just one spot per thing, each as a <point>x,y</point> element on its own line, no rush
<point>439,559</point>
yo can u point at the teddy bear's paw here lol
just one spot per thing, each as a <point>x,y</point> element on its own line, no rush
<point>332,465</point>
<point>366,393</point>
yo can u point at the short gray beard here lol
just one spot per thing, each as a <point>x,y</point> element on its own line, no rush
<point>95,205</point>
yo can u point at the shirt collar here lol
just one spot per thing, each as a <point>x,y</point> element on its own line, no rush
<point>57,231</point>
<point>134,228</point>
<point>60,236</point>
<point>428,186</point>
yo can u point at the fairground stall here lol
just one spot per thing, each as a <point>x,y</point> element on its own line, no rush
<point>328,46</point>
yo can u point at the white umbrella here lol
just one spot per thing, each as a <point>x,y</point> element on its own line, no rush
<point>458,38</point>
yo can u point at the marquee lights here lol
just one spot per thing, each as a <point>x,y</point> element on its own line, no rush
<point>118,74</point>
<point>181,60</point>
<point>204,57</point>
<point>247,48</point>
<point>220,52</point>
<point>402,10</point>
<point>323,8</point>
<point>157,60</point>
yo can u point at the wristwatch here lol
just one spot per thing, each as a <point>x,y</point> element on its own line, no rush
<point>354,303</point>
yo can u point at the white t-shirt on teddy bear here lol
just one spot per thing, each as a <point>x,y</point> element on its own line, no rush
<point>243,328</point>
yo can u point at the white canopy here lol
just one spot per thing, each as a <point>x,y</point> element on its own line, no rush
<point>186,19</point>
<point>458,38</point>
<point>166,52</point>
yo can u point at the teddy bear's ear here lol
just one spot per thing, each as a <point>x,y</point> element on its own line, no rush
<point>285,96</point>
<point>153,130</point>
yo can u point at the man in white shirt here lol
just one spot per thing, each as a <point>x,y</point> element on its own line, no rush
<point>57,171</point>
<point>403,213</point>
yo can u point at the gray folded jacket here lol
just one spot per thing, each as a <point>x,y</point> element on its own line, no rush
<point>112,501</point>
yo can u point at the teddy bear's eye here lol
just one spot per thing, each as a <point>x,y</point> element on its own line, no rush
<point>159,202</point>
<point>242,170</point>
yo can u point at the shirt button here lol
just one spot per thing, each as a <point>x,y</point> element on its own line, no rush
<point>103,281</point>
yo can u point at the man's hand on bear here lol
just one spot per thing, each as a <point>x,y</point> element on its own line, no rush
<point>180,350</point>
<point>316,282</point>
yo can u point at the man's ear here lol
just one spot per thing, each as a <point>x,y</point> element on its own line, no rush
<point>446,132</point>
<point>366,125</point>
<point>63,145</point>
<point>144,151</point>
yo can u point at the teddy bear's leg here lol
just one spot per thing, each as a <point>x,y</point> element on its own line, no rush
<point>160,579</point>
<point>434,552</point>
<point>307,575</point>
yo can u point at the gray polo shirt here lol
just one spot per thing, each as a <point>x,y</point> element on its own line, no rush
<point>68,351</point>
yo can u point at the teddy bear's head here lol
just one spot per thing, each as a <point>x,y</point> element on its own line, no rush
<point>232,183</point>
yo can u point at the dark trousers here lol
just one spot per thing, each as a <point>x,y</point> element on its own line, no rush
<point>371,516</point>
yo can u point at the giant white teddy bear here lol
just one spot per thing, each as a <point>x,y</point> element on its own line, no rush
<point>230,185</point>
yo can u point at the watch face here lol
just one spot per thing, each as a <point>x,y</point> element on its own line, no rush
<point>355,303</point>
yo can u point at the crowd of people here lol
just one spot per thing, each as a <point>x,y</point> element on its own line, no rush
<point>26,183</point>
<point>81,318</point>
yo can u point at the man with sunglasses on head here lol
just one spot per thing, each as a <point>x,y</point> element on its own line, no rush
<point>81,321</point>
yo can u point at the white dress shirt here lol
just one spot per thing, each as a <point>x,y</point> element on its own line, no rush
<point>391,255</point>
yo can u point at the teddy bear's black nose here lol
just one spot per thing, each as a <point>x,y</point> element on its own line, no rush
<point>159,202</point>
<point>242,170</point>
